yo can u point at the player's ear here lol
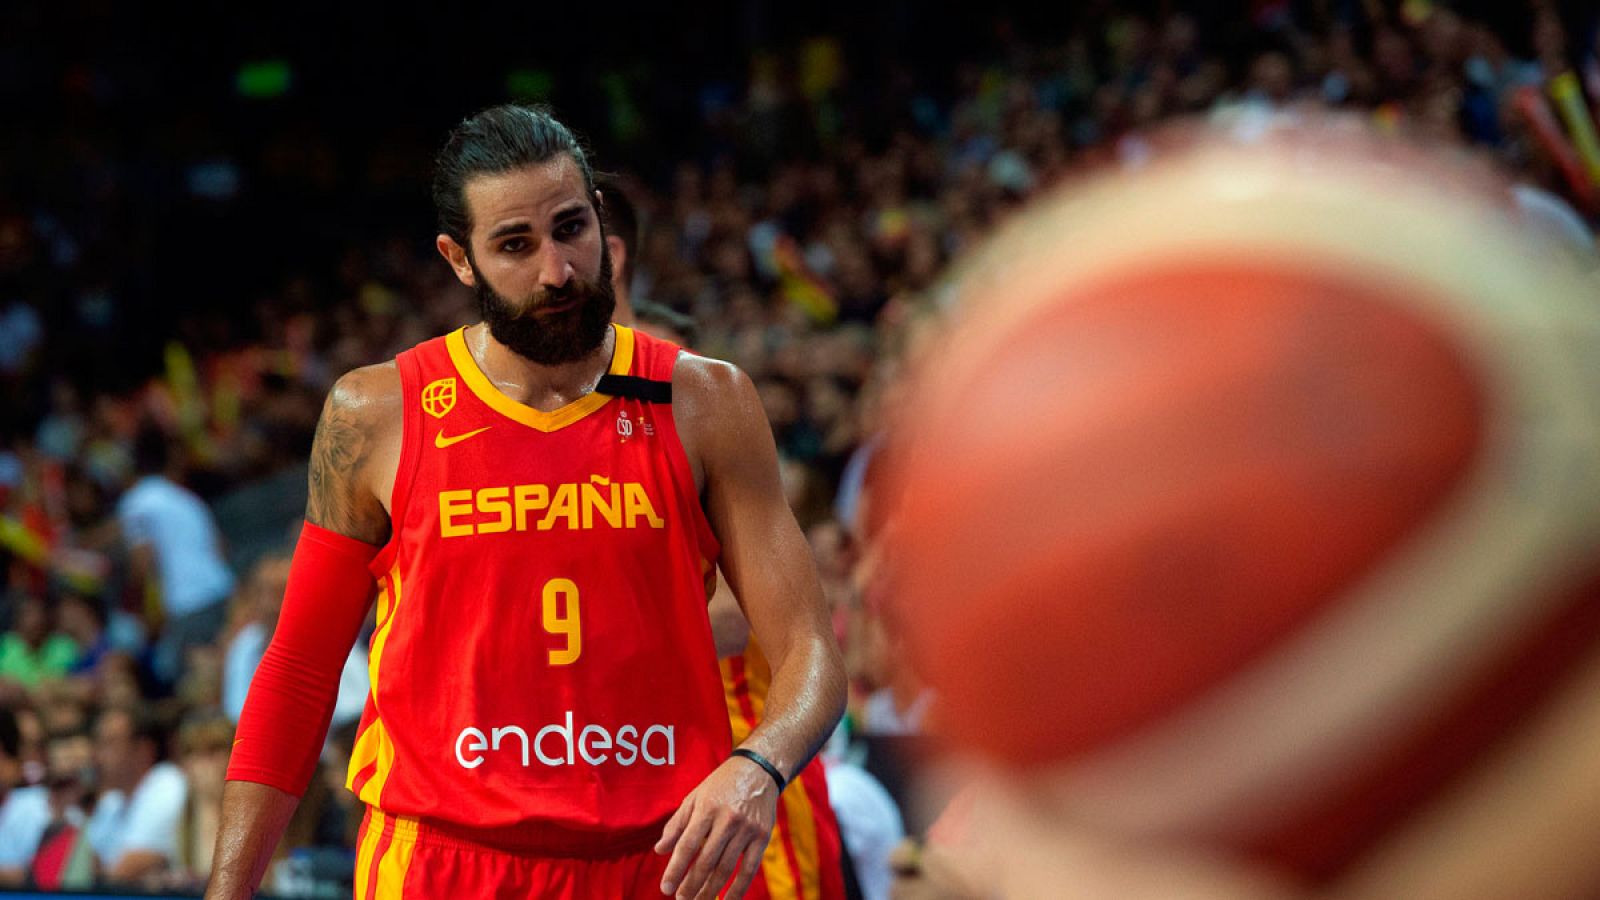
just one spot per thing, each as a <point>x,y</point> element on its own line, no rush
<point>456,256</point>
<point>619,253</point>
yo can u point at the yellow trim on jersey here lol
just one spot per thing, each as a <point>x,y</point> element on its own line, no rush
<point>479,384</point>
<point>383,604</point>
<point>383,751</point>
<point>364,754</point>
<point>380,638</point>
<point>373,789</point>
<point>776,871</point>
<point>374,745</point>
<point>365,751</point>
<point>364,853</point>
<point>802,824</point>
<point>397,861</point>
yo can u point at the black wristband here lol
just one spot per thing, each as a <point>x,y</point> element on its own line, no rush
<point>764,763</point>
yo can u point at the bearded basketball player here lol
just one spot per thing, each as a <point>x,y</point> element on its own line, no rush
<point>540,502</point>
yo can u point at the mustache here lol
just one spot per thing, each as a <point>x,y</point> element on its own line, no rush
<point>548,297</point>
<point>545,298</point>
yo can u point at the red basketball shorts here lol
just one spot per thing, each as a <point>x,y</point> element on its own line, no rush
<point>397,857</point>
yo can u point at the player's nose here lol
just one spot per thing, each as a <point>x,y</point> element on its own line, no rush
<point>555,268</point>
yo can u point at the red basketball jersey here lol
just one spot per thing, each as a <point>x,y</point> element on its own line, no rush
<point>543,656</point>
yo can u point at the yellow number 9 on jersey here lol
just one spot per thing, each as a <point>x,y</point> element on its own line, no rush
<point>561,617</point>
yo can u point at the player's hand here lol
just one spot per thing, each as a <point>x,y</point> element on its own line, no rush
<point>725,822</point>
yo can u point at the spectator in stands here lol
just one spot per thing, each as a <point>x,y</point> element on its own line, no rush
<point>175,549</point>
<point>34,814</point>
<point>204,742</point>
<point>134,829</point>
<point>17,808</point>
<point>254,616</point>
<point>257,612</point>
<point>63,859</point>
<point>70,760</point>
<point>83,619</point>
<point>31,652</point>
<point>200,685</point>
<point>61,713</point>
<point>23,819</point>
<point>118,681</point>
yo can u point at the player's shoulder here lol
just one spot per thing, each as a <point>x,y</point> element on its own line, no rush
<point>716,406</point>
<point>701,378</point>
<point>369,393</point>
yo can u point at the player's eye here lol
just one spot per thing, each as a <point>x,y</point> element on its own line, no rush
<point>515,245</point>
<point>570,228</point>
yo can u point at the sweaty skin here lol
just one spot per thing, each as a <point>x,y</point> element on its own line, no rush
<point>722,826</point>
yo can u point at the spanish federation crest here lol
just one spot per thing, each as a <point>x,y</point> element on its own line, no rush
<point>439,397</point>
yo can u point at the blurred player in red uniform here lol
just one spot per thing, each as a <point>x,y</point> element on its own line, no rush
<point>544,499</point>
<point>804,859</point>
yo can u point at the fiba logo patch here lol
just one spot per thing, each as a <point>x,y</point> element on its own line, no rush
<point>439,397</point>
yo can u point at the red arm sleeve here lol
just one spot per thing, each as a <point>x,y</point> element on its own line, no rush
<point>286,713</point>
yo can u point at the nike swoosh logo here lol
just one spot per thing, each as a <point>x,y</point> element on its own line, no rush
<point>440,441</point>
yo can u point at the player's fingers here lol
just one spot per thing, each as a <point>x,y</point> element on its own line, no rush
<point>706,863</point>
<point>688,847</point>
<point>674,827</point>
<point>749,865</point>
<point>725,868</point>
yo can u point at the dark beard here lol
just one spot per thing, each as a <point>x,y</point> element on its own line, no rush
<point>551,339</point>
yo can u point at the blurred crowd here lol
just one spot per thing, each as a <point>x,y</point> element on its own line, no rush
<point>803,235</point>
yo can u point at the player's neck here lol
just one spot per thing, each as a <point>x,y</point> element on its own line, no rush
<point>543,387</point>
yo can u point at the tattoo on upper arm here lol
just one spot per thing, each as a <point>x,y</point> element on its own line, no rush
<point>337,500</point>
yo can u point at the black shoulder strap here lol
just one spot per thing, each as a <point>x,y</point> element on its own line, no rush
<point>635,388</point>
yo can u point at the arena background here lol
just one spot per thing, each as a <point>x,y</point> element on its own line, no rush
<point>209,212</point>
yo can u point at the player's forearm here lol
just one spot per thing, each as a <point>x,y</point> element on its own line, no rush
<point>254,817</point>
<point>804,704</point>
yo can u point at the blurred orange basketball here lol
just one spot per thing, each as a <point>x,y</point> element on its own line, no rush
<point>1257,487</point>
